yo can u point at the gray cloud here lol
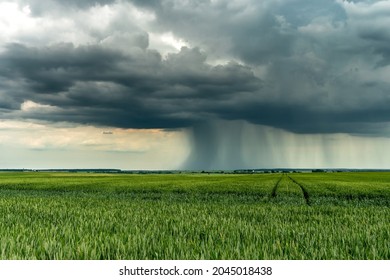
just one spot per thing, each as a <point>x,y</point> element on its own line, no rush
<point>100,86</point>
<point>43,7</point>
<point>254,31</point>
<point>317,67</point>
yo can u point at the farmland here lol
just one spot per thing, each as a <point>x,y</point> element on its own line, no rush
<point>194,216</point>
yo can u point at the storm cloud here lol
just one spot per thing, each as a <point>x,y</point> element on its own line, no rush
<point>302,66</point>
<point>91,84</point>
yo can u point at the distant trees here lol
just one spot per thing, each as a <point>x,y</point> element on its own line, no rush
<point>317,170</point>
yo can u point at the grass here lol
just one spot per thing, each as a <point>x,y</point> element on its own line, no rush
<point>194,216</point>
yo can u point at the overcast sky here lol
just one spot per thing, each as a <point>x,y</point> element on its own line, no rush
<point>194,84</point>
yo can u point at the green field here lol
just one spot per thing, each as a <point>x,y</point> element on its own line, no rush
<point>195,216</point>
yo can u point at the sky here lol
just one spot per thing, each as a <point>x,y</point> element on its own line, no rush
<point>185,84</point>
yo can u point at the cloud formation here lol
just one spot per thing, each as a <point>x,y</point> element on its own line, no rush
<point>93,84</point>
<point>318,67</point>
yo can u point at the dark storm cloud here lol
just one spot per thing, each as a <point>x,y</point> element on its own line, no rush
<point>318,56</point>
<point>97,85</point>
<point>56,68</point>
<point>255,31</point>
<point>308,67</point>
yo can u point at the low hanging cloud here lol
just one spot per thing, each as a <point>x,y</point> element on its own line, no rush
<point>92,84</point>
<point>304,67</point>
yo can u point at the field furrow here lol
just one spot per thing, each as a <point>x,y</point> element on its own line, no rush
<point>304,191</point>
<point>274,189</point>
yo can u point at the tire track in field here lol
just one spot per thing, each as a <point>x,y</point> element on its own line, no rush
<point>304,191</point>
<point>274,189</point>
